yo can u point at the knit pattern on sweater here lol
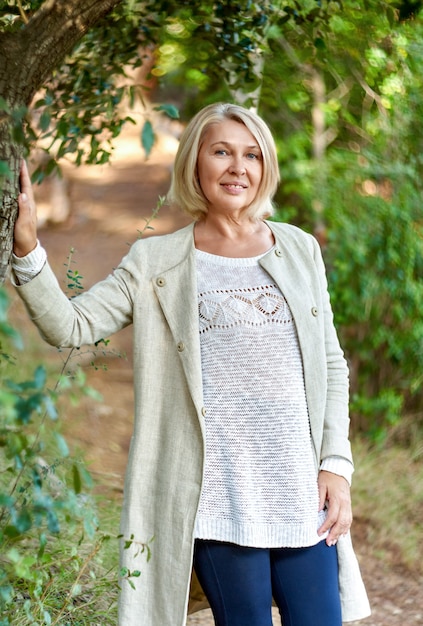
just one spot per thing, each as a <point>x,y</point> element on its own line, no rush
<point>260,486</point>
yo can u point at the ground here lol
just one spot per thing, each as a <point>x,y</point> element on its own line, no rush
<point>108,208</point>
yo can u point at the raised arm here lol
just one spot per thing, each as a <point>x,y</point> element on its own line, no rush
<point>97,313</point>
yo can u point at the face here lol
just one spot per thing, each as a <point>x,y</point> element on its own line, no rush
<point>229,167</point>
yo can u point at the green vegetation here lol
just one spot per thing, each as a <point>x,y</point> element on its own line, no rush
<point>388,501</point>
<point>58,564</point>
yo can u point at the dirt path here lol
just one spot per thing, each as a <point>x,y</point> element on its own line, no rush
<point>108,207</point>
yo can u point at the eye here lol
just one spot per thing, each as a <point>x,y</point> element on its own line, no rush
<point>253,156</point>
<point>221,151</point>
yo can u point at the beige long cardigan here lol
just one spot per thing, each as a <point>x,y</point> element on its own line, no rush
<point>154,288</point>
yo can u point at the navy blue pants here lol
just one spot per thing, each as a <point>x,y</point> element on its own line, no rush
<point>240,583</point>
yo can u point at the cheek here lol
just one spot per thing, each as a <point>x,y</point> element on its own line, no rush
<point>208,172</point>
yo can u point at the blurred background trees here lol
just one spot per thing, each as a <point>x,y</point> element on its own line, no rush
<point>340,85</point>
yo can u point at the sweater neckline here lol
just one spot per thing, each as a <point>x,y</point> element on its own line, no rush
<point>214,259</point>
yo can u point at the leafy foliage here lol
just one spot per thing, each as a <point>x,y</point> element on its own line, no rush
<point>375,254</point>
<point>13,12</point>
<point>51,547</point>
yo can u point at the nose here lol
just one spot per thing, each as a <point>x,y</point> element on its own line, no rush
<point>237,166</point>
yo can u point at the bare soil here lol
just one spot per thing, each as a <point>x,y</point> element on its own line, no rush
<point>108,206</point>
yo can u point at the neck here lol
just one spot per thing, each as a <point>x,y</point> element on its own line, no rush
<point>232,237</point>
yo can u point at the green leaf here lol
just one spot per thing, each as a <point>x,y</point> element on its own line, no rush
<point>23,522</point>
<point>61,444</point>
<point>52,522</point>
<point>45,120</point>
<point>76,476</point>
<point>86,476</point>
<point>40,377</point>
<point>50,408</point>
<point>170,110</point>
<point>7,331</point>
<point>147,138</point>
<point>43,543</point>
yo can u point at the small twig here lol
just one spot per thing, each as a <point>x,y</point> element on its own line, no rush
<point>153,215</point>
<point>22,13</point>
<point>84,566</point>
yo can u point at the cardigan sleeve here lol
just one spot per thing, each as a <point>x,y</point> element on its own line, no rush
<point>27,267</point>
<point>335,440</point>
<point>84,319</point>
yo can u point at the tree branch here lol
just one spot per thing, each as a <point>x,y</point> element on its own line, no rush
<point>22,13</point>
<point>51,34</point>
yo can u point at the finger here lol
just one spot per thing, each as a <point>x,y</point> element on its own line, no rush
<point>338,523</point>
<point>27,210</point>
<point>25,181</point>
<point>338,530</point>
<point>330,521</point>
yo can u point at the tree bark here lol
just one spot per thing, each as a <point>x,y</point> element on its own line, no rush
<point>318,89</point>
<point>27,59</point>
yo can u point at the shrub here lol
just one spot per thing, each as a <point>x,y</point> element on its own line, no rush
<point>50,543</point>
<point>375,262</point>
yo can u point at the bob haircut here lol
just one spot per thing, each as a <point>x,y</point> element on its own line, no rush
<point>185,191</point>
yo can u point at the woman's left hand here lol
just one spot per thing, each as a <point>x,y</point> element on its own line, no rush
<point>334,492</point>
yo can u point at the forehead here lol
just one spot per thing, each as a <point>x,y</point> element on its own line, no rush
<point>229,131</point>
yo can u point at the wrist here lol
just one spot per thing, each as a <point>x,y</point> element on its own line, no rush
<point>22,251</point>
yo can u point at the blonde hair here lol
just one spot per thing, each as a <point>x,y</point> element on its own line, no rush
<point>185,191</point>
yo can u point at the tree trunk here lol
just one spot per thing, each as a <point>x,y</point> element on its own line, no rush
<point>27,59</point>
<point>318,90</point>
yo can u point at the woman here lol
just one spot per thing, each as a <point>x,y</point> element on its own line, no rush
<point>240,461</point>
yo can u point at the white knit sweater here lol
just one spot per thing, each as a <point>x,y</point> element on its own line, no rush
<point>260,485</point>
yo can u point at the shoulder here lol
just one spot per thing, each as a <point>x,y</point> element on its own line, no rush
<point>158,252</point>
<point>290,235</point>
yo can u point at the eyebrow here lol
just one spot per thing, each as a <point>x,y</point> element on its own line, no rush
<point>227,143</point>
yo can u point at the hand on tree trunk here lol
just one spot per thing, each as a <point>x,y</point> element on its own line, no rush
<point>25,233</point>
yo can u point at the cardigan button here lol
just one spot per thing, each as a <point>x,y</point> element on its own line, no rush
<point>204,411</point>
<point>278,252</point>
<point>160,282</point>
<point>314,311</point>
<point>181,346</point>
